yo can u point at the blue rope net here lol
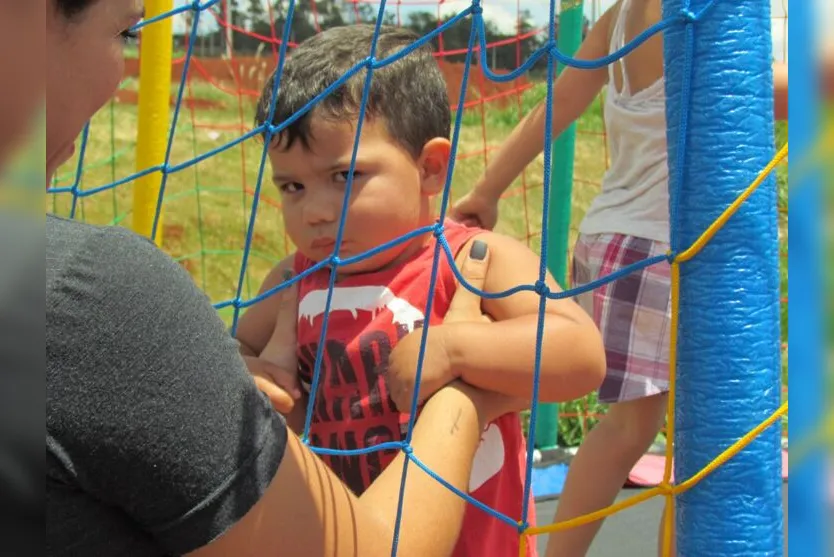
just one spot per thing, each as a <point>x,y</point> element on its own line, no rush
<point>369,65</point>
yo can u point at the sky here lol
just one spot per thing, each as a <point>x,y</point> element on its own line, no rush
<point>503,14</point>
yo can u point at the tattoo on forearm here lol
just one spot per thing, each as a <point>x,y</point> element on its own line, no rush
<point>455,426</point>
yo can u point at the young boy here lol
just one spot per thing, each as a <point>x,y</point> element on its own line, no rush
<point>378,304</point>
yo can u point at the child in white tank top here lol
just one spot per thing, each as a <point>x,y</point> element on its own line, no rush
<point>627,222</point>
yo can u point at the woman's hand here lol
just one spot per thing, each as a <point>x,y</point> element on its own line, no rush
<point>476,209</point>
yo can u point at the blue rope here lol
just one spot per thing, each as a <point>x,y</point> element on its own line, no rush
<point>79,170</point>
<point>473,33</point>
<point>172,132</point>
<point>250,231</point>
<point>334,262</point>
<point>683,130</point>
<point>548,136</point>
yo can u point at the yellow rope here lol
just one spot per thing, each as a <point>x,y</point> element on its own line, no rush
<point>730,211</point>
<point>668,511</point>
<point>666,488</point>
<point>596,515</point>
<point>732,450</point>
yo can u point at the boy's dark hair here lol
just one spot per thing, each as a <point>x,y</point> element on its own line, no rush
<point>409,94</point>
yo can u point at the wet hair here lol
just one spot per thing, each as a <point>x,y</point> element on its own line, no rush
<point>409,94</point>
<point>71,8</point>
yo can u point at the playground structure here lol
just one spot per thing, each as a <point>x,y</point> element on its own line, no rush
<point>708,272</point>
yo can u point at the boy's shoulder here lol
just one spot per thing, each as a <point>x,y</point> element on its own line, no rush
<point>496,242</point>
<point>282,270</point>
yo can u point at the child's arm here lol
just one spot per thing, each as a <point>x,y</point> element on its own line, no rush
<point>573,91</point>
<point>500,355</point>
<point>267,339</point>
<point>256,326</point>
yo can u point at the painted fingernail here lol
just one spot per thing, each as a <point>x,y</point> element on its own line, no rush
<point>287,274</point>
<point>478,250</point>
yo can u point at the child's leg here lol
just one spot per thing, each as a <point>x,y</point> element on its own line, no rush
<point>601,466</point>
<point>633,315</point>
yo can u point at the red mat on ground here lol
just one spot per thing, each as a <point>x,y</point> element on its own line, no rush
<point>648,471</point>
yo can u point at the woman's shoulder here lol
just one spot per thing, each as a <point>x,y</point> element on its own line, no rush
<point>68,241</point>
<point>63,235</point>
<point>108,261</point>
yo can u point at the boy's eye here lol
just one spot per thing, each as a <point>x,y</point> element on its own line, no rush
<point>290,187</point>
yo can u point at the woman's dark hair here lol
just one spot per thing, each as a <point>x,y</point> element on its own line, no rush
<point>70,8</point>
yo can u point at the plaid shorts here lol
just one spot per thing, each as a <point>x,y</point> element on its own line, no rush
<point>633,313</point>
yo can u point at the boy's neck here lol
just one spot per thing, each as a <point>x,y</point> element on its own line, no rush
<point>415,245</point>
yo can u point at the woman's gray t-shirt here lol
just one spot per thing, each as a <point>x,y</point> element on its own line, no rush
<point>157,440</point>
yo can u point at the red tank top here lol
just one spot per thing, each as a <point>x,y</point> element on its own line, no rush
<point>369,313</point>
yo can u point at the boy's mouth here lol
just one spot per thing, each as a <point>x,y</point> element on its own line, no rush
<point>323,244</point>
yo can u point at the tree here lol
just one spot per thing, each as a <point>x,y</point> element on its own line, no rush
<point>256,13</point>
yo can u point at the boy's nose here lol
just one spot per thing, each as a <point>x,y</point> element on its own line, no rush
<point>321,210</point>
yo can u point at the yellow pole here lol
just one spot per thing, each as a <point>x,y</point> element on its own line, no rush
<point>156,46</point>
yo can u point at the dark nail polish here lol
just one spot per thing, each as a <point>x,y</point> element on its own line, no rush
<point>287,274</point>
<point>478,250</point>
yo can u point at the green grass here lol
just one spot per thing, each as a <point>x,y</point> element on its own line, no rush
<point>206,209</point>
<point>207,206</point>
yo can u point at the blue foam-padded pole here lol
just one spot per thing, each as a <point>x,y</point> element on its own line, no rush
<point>728,336</point>
<point>809,518</point>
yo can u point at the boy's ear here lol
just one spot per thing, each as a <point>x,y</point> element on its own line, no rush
<point>433,164</point>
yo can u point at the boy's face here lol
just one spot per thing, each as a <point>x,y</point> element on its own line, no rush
<point>390,193</point>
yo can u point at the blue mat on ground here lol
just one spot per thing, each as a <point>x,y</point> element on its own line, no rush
<point>548,481</point>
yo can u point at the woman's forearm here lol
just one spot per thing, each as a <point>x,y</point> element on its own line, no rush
<point>445,439</point>
<point>520,148</point>
<point>573,92</point>
<point>307,511</point>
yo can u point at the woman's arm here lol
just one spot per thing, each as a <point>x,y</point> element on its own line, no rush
<point>573,91</point>
<point>307,511</point>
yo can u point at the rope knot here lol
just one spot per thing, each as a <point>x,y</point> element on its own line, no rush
<point>688,15</point>
<point>476,7</point>
<point>437,229</point>
<point>541,288</point>
<point>407,449</point>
